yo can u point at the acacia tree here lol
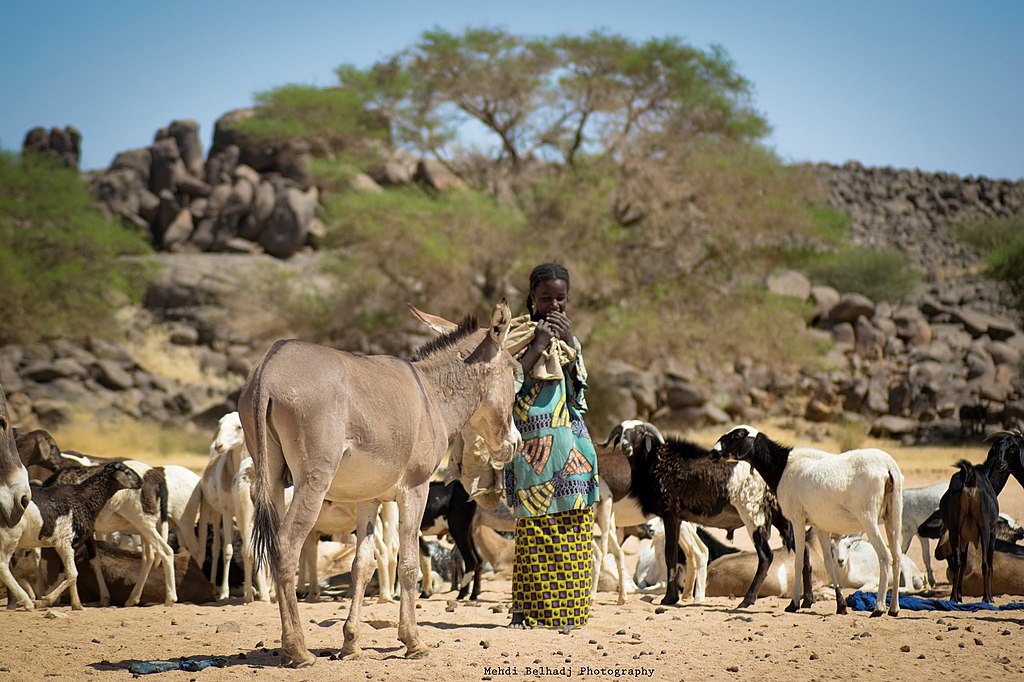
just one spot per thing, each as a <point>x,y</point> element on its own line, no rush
<point>559,96</point>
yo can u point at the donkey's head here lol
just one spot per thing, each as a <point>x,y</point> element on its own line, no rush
<point>493,418</point>
<point>14,491</point>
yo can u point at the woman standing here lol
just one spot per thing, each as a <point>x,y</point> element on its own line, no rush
<point>551,484</point>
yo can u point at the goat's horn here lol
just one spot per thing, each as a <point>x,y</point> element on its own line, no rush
<point>1000,434</point>
<point>615,435</point>
<point>653,430</point>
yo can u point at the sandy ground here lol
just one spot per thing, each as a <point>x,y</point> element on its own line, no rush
<point>470,641</point>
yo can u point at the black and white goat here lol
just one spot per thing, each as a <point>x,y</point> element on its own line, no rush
<point>676,480</point>
<point>450,510</point>
<point>969,511</point>
<point>834,494</point>
<point>60,516</point>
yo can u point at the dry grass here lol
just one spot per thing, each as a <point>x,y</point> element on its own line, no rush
<point>146,442</point>
<point>158,355</point>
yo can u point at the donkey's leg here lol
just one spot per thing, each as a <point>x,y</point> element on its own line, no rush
<point>366,516</point>
<point>927,556</point>
<point>295,528</point>
<point>410,509</point>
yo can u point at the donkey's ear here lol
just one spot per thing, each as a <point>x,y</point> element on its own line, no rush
<point>438,325</point>
<point>501,318</point>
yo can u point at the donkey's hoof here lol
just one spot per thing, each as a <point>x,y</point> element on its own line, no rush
<point>303,660</point>
<point>876,613</point>
<point>792,608</point>
<point>747,601</point>
<point>417,651</point>
<point>807,603</point>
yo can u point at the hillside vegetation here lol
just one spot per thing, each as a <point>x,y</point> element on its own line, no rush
<point>60,271</point>
<point>639,165</point>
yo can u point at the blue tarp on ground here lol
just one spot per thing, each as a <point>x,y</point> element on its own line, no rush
<point>188,664</point>
<point>865,601</point>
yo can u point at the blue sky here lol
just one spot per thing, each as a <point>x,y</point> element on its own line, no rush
<point>912,84</point>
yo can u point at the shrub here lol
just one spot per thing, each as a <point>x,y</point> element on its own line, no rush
<point>879,275</point>
<point>60,271</point>
<point>1001,243</point>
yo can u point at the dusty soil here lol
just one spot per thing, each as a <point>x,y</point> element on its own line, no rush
<point>471,642</point>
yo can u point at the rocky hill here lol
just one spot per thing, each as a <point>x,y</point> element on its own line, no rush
<point>902,368</point>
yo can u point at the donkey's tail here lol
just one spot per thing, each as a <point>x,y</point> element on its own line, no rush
<point>266,522</point>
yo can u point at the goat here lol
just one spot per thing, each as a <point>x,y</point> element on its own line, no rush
<point>142,511</point>
<point>969,512</point>
<point>856,561</point>
<point>837,494</point>
<point>59,516</point>
<point>676,480</point>
<point>450,509</point>
<point>973,418</point>
<point>650,562</point>
<point>918,505</point>
<point>39,453</point>
<point>1005,458</point>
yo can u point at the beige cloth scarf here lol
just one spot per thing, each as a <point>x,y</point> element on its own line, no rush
<point>557,354</point>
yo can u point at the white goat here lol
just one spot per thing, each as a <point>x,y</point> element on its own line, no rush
<point>650,565</point>
<point>834,494</point>
<point>857,565</point>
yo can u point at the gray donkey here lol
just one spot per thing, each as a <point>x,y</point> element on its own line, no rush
<point>367,429</point>
<point>14,491</point>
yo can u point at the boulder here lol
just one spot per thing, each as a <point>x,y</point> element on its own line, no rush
<point>893,426</point>
<point>911,326</point>
<point>790,284</point>
<point>850,307</point>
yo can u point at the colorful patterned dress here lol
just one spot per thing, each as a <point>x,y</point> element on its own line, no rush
<point>551,486</point>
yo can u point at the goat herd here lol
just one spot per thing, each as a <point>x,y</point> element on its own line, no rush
<point>745,480</point>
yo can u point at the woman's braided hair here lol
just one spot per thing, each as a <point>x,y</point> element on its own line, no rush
<point>545,272</point>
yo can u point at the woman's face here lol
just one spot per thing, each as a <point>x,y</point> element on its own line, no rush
<point>550,296</point>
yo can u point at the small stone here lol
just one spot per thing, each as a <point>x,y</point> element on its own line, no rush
<point>593,641</point>
<point>920,657</point>
<point>865,634</point>
<point>259,645</point>
<point>95,641</point>
<point>813,656</point>
<point>969,628</point>
<point>660,609</point>
<point>621,632</point>
<point>230,627</point>
<point>1005,632</point>
<point>600,647</point>
<point>961,645</point>
<point>485,644</point>
<point>636,636</point>
<point>905,649</point>
<point>939,637</point>
<point>1003,659</point>
<point>53,615</point>
<point>497,608</point>
<point>941,621</point>
<point>733,669</point>
<point>978,642</point>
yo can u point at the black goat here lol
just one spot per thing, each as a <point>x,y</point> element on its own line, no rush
<point>62,516</point>
<point>969,511</point>
<point>450,510</point>
<point>676,480</point>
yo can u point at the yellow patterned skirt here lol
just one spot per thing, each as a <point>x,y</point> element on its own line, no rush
<point>551,576</point>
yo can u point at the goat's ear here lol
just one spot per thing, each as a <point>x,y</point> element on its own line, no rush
<point>438,325</point>
<point>501,319</point>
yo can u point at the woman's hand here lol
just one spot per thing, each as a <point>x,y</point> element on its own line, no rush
<point>543,334</point>
<point>561,326</point>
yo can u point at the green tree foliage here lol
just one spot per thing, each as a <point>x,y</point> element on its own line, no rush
<point>555,97</point>
<point>60,271</point>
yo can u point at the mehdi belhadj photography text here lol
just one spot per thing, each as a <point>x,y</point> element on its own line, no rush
<point>566,671</point>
